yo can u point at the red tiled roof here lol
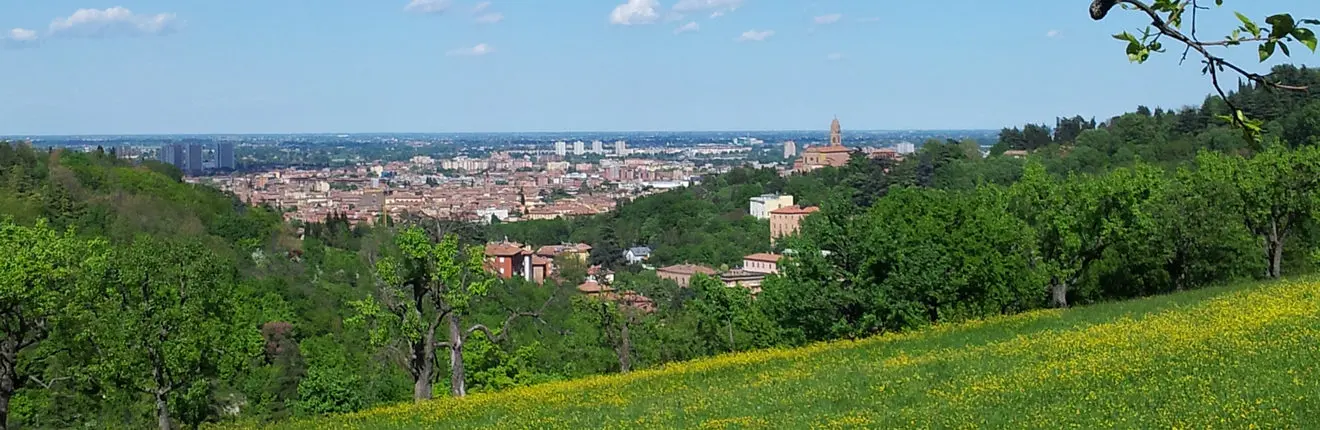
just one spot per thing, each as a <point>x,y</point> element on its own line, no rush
<point>794,210</point>
<point>766,257</point>
<point>688,269</point>
<point>502,249</point>
<point>592,287</point>
<point>829,149</point>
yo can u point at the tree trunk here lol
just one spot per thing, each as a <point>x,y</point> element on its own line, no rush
<point>424,366</point>
<point>457,384</point>
<point>1059,294</point>
<point>731,347</point>
<point>624,350</point>
<point>162,409</point>
<point>1274,250</point>
<point>162,389</point>
<point>8,378</point>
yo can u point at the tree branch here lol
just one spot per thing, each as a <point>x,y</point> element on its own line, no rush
<point>1212,61</point>
<point>504,328</point>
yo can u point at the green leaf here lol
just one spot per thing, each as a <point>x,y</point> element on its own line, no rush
<point>1284,47</point>
<point>1306,36</point>
<point>1266,50</point>
<point>1251,27</point>
<point>1282,25</point>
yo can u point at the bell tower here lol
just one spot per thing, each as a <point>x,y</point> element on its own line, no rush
<point>836,133</point>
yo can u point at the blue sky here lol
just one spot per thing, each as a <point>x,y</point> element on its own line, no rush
<point>259,66</point>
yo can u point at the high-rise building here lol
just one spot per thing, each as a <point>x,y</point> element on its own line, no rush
<point>597,147</point>
<point>561,148</point>
<point>224,155</point>
<point>790,149</point>
<point>579,147</point>
<point>905,148</point>
<point>620,148</point>
<point>194,164</point>
<point>171,154</point>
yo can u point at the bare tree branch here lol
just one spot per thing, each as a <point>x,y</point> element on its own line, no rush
<point>504,329</point>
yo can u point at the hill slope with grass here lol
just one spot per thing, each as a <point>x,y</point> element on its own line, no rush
<point>1228,357</point>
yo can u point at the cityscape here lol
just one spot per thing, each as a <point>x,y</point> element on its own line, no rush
<point>714,214</point>
<point>490,179</point>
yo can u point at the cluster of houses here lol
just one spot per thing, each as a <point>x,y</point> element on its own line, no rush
<point>511,259</point>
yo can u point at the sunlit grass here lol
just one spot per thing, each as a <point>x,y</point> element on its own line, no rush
<point>1239,357</point>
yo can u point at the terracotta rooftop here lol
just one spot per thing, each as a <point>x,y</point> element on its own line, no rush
<point>763,256</point>
<point>794,210</point>
<point>830,149</point>
<point>688,269</point>
<point>593,287</point>
<point>502,249</point>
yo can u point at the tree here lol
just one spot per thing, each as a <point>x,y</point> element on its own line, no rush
<point>167,322</point>
<point>1277,190</point>
<point>1077,220</point>
<point>423,286</point>
<point>615,323</point>
<point>39,274</point>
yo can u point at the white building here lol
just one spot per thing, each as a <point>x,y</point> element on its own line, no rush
<point>579,148</point>
<point>561,148</point>
<point>761,206</point>
<point>620,148</point>
<point>790,149</point>
<point>905,148</point>
<point>483,215</point>
<point>597,147</point>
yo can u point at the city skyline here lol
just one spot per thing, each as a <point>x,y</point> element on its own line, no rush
<point>149,67</point>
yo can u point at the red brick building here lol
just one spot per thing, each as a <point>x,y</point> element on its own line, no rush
<point>786,221</point>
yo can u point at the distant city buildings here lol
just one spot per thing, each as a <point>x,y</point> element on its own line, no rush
<point>194,164</point>
<point>790,150</point>
<point>224,156</point>
<point>620,148</point>
<point>905,148</point>
<point>172,154</point>
<point>579,148</point>
<point>561,148</point>
<point>597,147</point>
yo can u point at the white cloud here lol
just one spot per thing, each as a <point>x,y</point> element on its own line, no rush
<point>427,6</point>
<point>18,38</point>
<point>480,7</point>
<point>755,36</point>
<point>690,26</point>
<point>700,5</point>
<point>716,14</point>
<point>869,19</point>
<point>635,12</point>
<point>479,50</point>
<point>828,19</point>
<point>1052,33</point>
<point>834,56</point>
<point>115,21</point>
<point>21,35</point>
<point>490,18</point>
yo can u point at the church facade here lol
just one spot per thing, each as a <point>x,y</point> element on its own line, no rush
<point>834,155</point>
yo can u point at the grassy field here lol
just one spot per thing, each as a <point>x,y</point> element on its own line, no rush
<point>1239,357</point>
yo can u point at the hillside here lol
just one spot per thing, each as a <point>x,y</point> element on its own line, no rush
<point>1221,357</point>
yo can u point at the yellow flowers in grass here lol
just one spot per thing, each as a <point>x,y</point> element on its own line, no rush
<point>1228,358</point>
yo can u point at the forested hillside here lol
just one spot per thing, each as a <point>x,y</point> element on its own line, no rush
<point>131,299</point>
